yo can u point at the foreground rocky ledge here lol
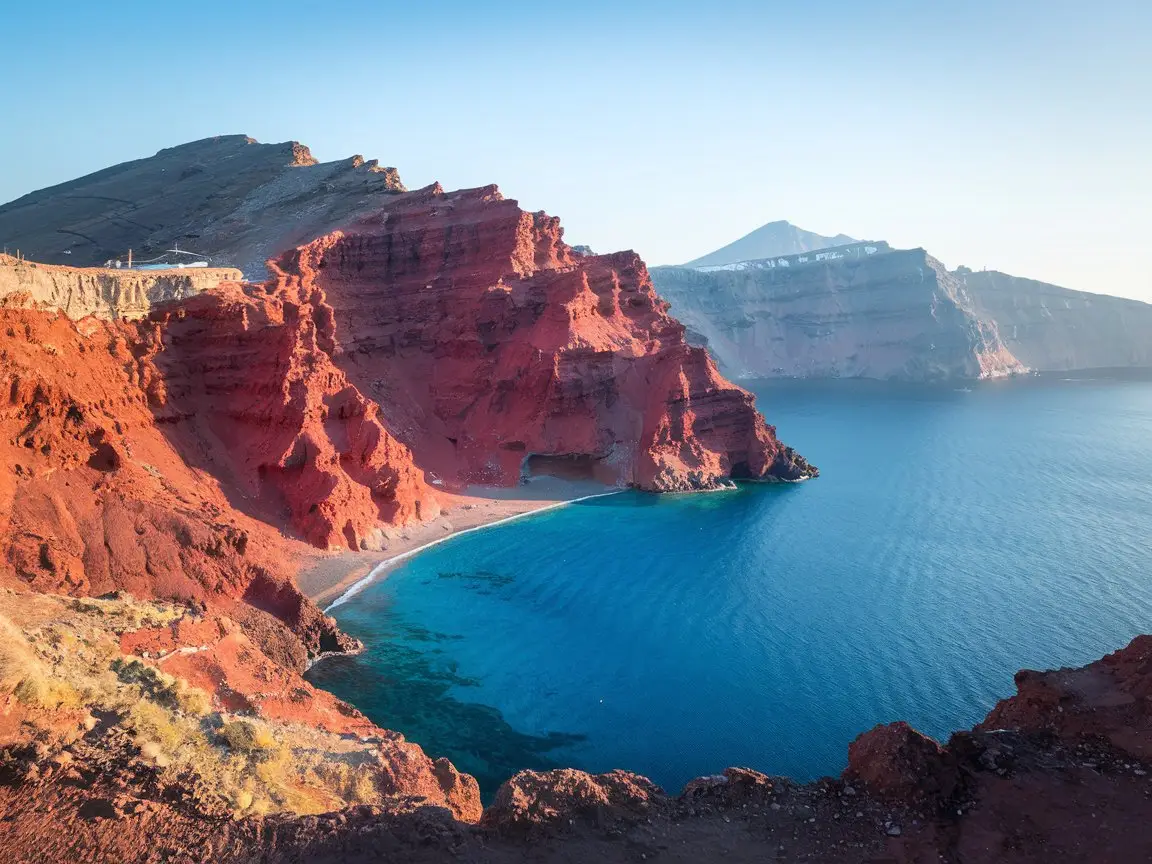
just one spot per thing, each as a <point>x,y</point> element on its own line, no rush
<point>93,771</point>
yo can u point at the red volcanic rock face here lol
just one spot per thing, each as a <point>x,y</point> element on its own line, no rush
<point>495,350</point>
<point>247,385</point>
<point>99,491</point>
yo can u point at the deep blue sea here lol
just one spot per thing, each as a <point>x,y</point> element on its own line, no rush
<point>953,538</point>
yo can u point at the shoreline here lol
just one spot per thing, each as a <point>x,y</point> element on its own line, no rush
<point>331,579</point>
<point>379,570</point>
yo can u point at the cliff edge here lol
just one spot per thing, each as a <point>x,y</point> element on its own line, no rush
<point>102,292</point>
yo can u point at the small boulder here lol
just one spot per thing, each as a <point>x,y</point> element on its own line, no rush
<point>895,761</point>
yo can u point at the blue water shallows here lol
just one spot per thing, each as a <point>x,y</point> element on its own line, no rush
<point>953,538</point>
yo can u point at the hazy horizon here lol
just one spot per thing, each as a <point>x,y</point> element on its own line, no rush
<point>1003,135</point>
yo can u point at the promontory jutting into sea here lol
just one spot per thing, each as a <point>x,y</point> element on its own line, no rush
<point>352,513</point>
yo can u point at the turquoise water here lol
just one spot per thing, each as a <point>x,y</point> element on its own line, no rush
<point>953,538</point>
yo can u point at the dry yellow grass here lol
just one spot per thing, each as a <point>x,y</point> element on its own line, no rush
<point>66,654</point>
<point>244,736</point>
<point>16,656</point>
<point>26,677</point>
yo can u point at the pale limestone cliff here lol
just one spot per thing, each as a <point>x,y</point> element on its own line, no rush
<point>103,293</point>
<point>1055,329</point>
<point>859,311</point>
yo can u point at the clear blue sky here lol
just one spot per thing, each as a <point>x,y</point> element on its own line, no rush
<point>1013,135</point>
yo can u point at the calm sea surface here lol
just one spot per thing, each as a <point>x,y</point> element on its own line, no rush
<point>953,538</point>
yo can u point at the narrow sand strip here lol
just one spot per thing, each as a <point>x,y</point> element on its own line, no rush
<point>388,563</point>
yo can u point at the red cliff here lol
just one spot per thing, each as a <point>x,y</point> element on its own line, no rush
<point>101,490</point>
<point>497,351</point>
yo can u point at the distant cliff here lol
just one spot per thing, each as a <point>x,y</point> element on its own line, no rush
<point>858,311</point>
<point>1050,328</point>
<point>864,310</point>
<point>230,198</point>
<point>769,241</point>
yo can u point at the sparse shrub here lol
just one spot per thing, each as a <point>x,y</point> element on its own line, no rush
<point>152,723</point>
<point>246,737</point>
<point>65,640</point>
<point>363,788</point>
<point>163,688</point>
<point>355,784</point>
<point>192,700</point>
<point>41,691</point>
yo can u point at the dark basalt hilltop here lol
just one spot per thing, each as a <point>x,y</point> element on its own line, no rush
<point>231,198</point>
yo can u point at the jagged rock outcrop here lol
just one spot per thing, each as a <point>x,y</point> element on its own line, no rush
<point>229,197</point>
<point>495,349</point>
<point>857,311</point>
<point>535,798</point>
<point>769,241</point>
<point>1108,700</point>
<point>243,384</point>
<point>103,293</point>
<point>1055,329</point>
<point>893,760</point>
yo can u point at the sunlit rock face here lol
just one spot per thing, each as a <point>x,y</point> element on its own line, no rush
<point>489,345</point>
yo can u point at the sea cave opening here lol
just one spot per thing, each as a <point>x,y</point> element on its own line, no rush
<point>566,466</point>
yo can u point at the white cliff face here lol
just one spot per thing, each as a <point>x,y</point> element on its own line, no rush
<point>1055,329</point>
<point>103,293</point>
<point>882,314</point>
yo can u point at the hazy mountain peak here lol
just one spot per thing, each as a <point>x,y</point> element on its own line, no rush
<point>775,238</point>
